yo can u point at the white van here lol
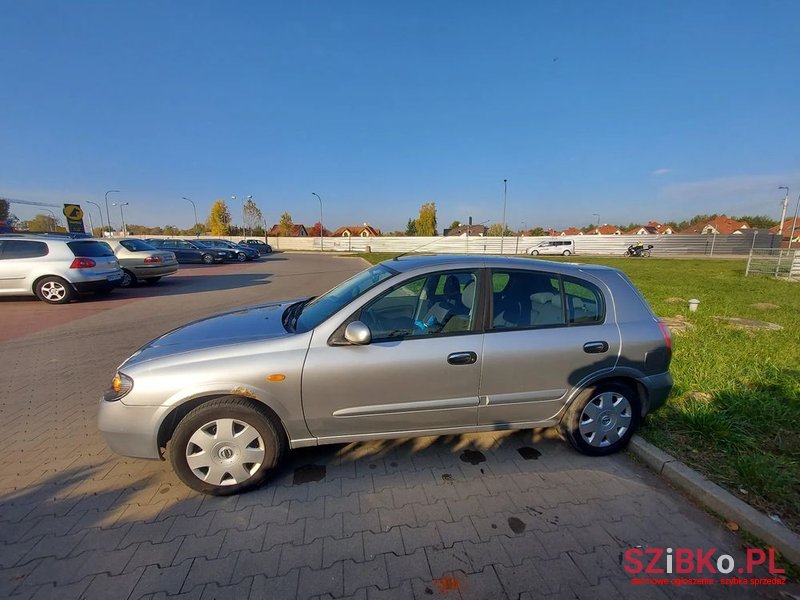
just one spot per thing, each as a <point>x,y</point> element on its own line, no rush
<point>563,247</point>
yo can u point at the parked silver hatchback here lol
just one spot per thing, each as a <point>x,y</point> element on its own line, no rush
<point>56,269</point>
<point>414,346</point>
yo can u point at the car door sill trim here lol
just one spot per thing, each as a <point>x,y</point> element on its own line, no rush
<point>406,407</point>
<point>522,397</point>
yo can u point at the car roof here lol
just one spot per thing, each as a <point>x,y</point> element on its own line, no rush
<point>418,261</point>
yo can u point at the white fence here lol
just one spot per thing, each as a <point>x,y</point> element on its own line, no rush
<point>776,263</point>
<point>601,245</point>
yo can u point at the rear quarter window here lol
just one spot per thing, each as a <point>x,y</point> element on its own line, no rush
<point>585,302</point>
<point>15,249</point>
<point>90,249</point>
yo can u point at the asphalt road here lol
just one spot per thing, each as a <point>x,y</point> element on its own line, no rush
<point>506,515</point>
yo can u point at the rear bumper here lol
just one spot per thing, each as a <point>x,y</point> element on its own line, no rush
<point>658,388</point>
<point>102,285</point>
<point>145,271</point>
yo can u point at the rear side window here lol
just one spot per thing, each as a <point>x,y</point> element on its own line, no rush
<point>136,245</point>
<point>524,299</point>
<point>90,249</point>
<point>584,302</point>
<point>12,249</point>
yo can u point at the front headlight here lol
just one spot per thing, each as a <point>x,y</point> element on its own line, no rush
<point>120,386</point>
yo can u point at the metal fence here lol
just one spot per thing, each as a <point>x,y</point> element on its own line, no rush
<point>603,245</point>
<point>587,245</point>
<point>775,263</point>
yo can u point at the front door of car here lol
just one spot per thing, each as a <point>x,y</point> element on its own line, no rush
<point>421,370</point>
<point>547,334</point>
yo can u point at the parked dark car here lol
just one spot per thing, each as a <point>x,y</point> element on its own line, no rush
<point>261,246</point>
<point>189,251</point>
<point>243,253</point>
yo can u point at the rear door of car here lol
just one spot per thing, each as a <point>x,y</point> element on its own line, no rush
<point>18,258</point>
<point>547,334</point>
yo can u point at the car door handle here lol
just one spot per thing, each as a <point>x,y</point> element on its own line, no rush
<point>462,358</point>
<point>595,347</point>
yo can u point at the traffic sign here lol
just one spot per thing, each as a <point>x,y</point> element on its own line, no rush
<point>74,216</point>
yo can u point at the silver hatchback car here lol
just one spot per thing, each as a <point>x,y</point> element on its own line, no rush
<point>413,346</point>
<point>56,268</point>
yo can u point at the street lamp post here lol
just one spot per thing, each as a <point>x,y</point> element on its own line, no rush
<point>794,222</point>
<point>233,199</point>
<point>100,210</point>
<point>108,214</point>
<point>122,216</point>
<point>597,223</point>
<point>503,231</point>
<point>55,219</point>
<point>783,212</point>
<point>195,213</point>
<point>321,227</point>
<point>244,223</point>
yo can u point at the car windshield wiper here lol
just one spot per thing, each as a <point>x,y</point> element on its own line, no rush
<point>293,313</point>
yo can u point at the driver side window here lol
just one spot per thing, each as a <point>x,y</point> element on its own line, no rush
<point>439,303</point>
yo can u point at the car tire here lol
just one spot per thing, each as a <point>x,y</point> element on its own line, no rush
<point>54,290</point>
<point>207,259</point>
<point>566,253</point>
<point>602,419</point>
<point>241,256</point>
<point>153,279</point>
<point>128,279</point>
<point>246,445</point>
<point>534,253</point>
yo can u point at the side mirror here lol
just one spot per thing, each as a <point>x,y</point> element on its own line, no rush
<point>358,333</point>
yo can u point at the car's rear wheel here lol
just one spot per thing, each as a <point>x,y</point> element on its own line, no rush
<point>226,446</point>
<point>54,290</point>
<point>566,253</point>
<point>602,419</point>
<point>207,259</point>
<point>128,278</point>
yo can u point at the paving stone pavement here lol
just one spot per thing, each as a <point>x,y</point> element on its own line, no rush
<point>450,517</point>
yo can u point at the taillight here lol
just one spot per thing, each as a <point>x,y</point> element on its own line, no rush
<point>153,259</point>
<point>667,335</point>
<point>82,263</point>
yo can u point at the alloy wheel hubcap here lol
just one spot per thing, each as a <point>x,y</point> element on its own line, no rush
<point>53,291</point>
<point>225,452</point>
<point>605,419</point>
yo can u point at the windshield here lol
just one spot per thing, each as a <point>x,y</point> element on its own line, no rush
<point>320,308</point>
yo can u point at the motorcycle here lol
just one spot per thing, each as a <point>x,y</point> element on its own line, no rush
<point>640,251</point>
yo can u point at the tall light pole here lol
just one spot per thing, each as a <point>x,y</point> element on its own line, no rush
<point>244,223</point>
<point>195,213</point>
<point>122,216</point>
<point>794,222</point>
<point>100,210</point>
<point>55,219</point>
<point>321,228</point>
<point>785,205</point>
<point>503,231</point>
<point>233,199</point>
<point>108,214</point>
<point>597,223</point>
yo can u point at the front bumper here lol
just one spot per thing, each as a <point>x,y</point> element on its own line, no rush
<point>658,388</point>
<point>131,430</point>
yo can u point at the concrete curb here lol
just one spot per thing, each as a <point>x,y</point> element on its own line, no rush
<point>715,498</point>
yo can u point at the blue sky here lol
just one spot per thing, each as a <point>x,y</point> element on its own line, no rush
<point>633,110</point>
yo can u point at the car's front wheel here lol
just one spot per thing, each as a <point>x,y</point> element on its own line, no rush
<point>207,259</point>
<point>602,419</point>
<point>241,256</point>
<point>534,253</point>
<point>54,290</point>
<point>226,446</point>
